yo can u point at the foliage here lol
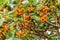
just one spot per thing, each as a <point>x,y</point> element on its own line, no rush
<point>29,19</point>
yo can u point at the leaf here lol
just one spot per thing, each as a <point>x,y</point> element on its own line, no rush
<point>35,2</point>
<point>55,38</point>
<point>2,2</point>
<point>1,21</point>
<point>25,2</point>
<point>11,24</point>
<point>9,33</point>
<point>31,1</point>
<point>16,39</point>
<point>58,1</point>
<point>10,38</point>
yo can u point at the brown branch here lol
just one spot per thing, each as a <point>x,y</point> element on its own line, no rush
<point>52,35</point>
<point>57,18</point>
<point>53,24</point>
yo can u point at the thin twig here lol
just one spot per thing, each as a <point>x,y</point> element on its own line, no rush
<point>53,24</point>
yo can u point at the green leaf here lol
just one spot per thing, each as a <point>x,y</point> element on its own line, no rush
<point>10,38</point>
<point>1,21</point>
<point>11,24</point>
<point>58,1</point>
<point>35,2</point>
<point>2,2</point>
<point>16,39</point>
<point>9,33</point>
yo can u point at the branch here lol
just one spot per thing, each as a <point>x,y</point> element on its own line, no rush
<point>52,24</point>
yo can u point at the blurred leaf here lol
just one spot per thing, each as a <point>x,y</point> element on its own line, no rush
<point>11,24</point>
<point>10,38</point>
<point>16,39</point>
<point>58,1</point>
<point>2,2</point>
<point>1,21</point>
<point>9,33</point>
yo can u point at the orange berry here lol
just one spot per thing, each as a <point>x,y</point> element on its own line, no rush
<point>30,24</point>
<point>27,18</point>
<point>19,10</point>
<point>27,27</point>
<point>5,27</point>
<point>0,36</point>
<point>20,27</point>
<point>44,11</point>
<point>44,18</point>
<point>30,9</point>
<point>20,34</point>
<point>43,6</point>
<point>41,14</point>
